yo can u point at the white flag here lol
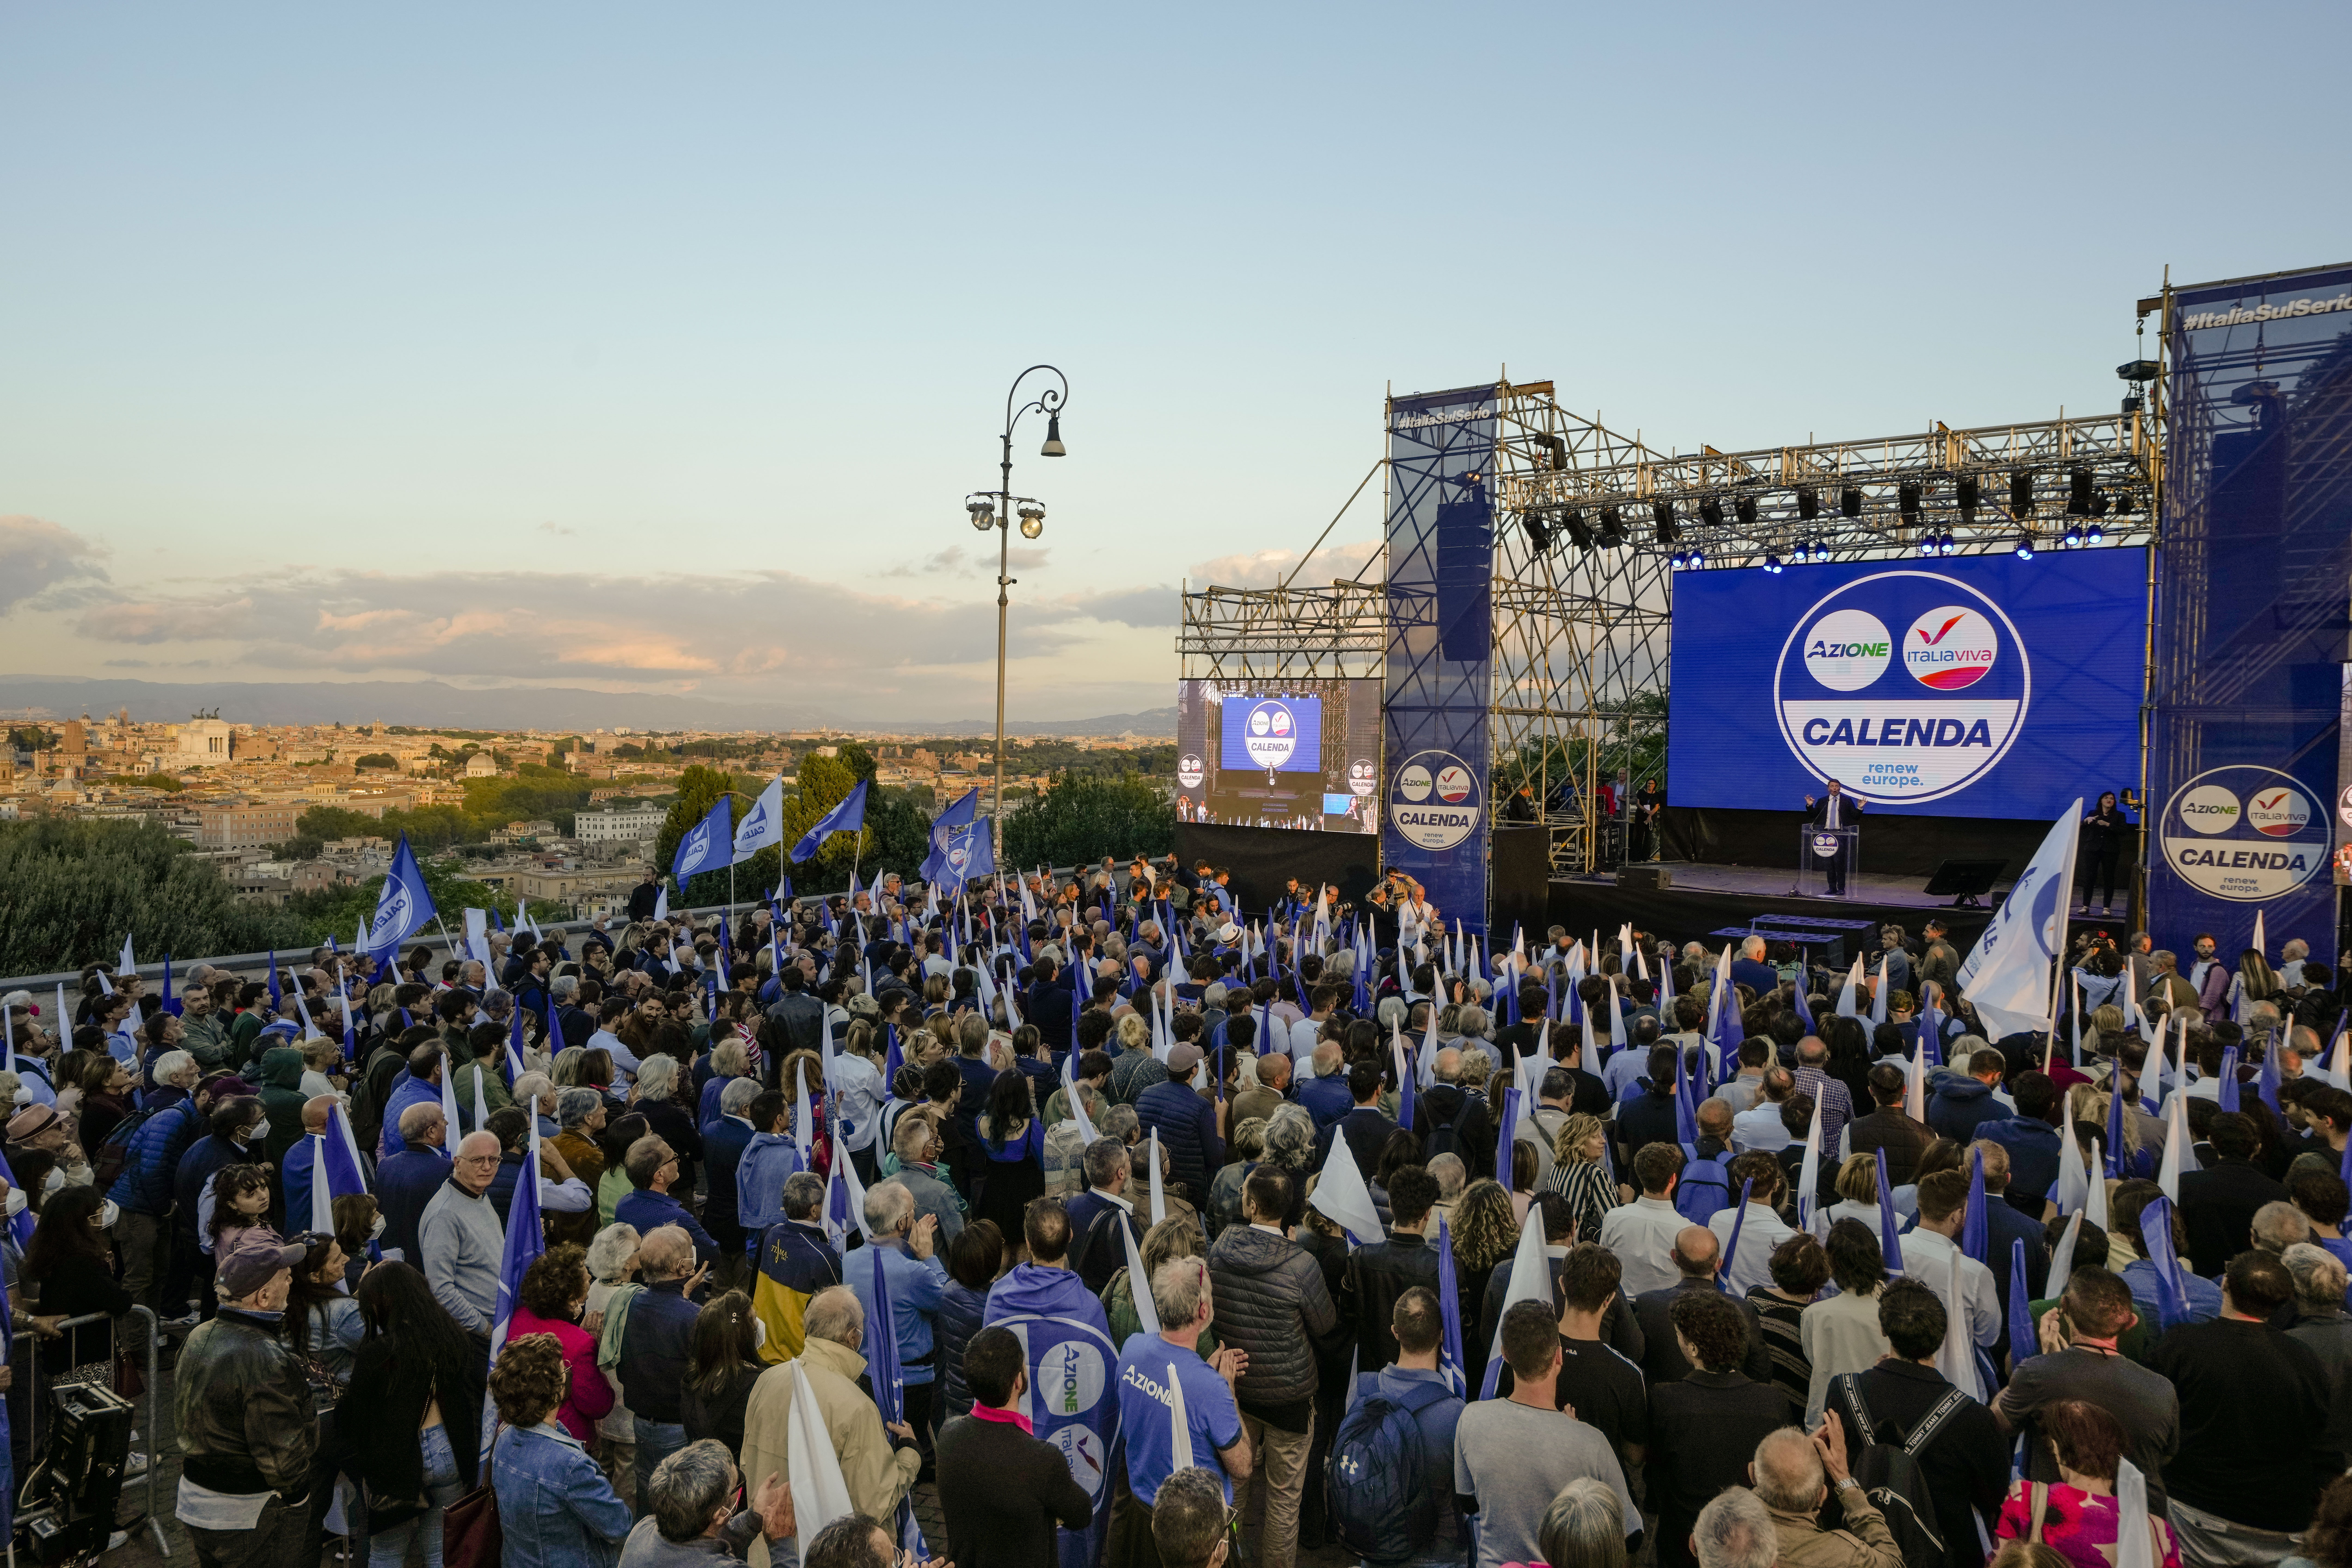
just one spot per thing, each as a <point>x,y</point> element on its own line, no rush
<point>820,1494</point>
<point>1956,1358</point>
<point>2007,974</point>
<point>1158,1198</point>
<point>1139,1283</point>
<point>1180,1425</point>
<point>2134,1541</point>
<point>1342,1197</point>
<point>2061,1258</point>
<point>762,825</point>
<point>126,964</point>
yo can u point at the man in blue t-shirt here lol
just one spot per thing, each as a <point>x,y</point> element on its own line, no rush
<point>1151,1368</point>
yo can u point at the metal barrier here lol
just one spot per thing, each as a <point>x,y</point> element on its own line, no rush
<point>38,1410</point>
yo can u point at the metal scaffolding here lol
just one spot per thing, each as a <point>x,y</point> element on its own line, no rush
<point>1591,528</point>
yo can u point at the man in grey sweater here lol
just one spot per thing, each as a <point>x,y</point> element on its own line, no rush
<point>462,1240</point>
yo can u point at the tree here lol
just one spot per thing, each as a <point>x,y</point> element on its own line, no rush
<point>377,760</point>
<point>75,889</point>
<point>1083,816</point>
<point>825,782</point>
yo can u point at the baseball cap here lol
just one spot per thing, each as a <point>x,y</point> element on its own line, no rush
<point>252,1260</point>
<point>1183,1058</point>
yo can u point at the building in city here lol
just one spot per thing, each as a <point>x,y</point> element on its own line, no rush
<point>237,827</point>
<point>619,824</point>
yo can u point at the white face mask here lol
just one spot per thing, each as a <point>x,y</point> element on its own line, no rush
<point>108,1214</point>
<point>54,1181</point>
<point>259,1131</point>
<point>15,1203</point>
<point>376,1229</point>
<point>759,1332</point>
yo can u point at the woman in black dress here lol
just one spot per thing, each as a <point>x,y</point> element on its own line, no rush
<point>2103,843</point>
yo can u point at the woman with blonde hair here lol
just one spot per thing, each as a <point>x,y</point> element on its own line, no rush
<point>1580,1173</point>
<point>1178,1236</point>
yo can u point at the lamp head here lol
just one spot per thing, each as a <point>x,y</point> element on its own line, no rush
<point>1052,447</point>
<point>983,514</point>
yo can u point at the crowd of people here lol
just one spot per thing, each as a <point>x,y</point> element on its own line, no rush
<point>1153,1231</point>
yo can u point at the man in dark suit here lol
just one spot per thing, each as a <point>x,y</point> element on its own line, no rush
<point>1750,970</point>
<point>2218,1203</point>
<point>1835,809</point>
<point>1049,1002</point>
<point>797,1023</point>
<point>1363,1127</point>
<point>1696,1253</point>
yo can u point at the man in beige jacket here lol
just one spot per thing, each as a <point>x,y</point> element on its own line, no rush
<point>877,1462</point>
<point>1793,1475</point>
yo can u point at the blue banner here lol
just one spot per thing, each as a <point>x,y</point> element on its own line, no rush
<point>2244,734</point>
<point>1979,686</point>
<point>1439,666</point>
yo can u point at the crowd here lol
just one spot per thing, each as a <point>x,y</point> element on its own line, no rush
<point>1152,1231</point>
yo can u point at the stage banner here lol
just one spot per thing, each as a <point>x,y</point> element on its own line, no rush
<point>2243,770</point>
<point>1439,666</point>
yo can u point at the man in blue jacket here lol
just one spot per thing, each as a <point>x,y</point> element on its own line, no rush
<point>906,1245</point>
<point>1959,1102</point>
<point>1187,1125</point>
<point>724,1139</point>
<point>143,1194</point>
<point>652,1165</point>
<point>768,1160</point>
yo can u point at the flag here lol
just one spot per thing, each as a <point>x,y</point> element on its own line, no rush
<point>2006,974</point>
<point>1976,1235</point>
<point>1956,1358</point>
<point>1878,995</point>
<point>820,1495</point>
<point>2073,1189</point>
<point>1531,1280</point>
<point>1449,1311</point>
<point>1686,1112</point>
<point>2095,1207</point>
<point>126,964</point>
<point>1846,1004</point>
<point>1890,1233</point>
<point>20,1224</point>
<point>1731,1250</point>
<point>2135,1546</point>
<point>881,1347</point>
<point>845,1199</point>
<point>762,825</point>
<point>481,1101</point>
<point>172,1005</point>
<point>1069,1090</point>
<point>705,847</point>
<point>2175,1145</point>
<point>2156,1234</point>
<point>2115,1121</point>
<point>1404,1076</point>
<point>274,999</point>
<point>1808,1175</point>
<point>2023,1341</point>
<point>847,817</point>
<point>1159,1198</point>
<point>525,1239</point>
<point>2229,1084</point>
<point>1139,1283</point>
<point>400,910</point>
<point>949,861</point>
<point>456,1129</point>
<point>1343,1197</point>
<point>2062,1259</point>
<point>1507,1139</point>
<point>1180,1423</point>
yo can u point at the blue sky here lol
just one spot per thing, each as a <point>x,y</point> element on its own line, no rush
<point>657,348</point>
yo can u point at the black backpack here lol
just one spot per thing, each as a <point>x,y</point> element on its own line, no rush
<point>105,1162</point>
<point>1445,1137</point>
<point>1379,1498</point>
<point>1890,1476</point>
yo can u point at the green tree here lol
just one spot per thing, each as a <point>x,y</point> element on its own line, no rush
<point>377,760</point>
<point>1083,816</point>
<point>824,783</point>
<point>73,889</point>
<point>898,832</point>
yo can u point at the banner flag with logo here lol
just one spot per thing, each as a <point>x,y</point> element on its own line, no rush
<point>949,858</point>
<point>762,825</point>
<point>1070,1402</point>
<point>2007,973</point>
<point>706,845</point>
<point>402,908</point>
<point>848,816</point>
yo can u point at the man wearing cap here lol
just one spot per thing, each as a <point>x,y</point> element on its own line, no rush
<point>1187,1125</point>
<point>243,1411</point>
<point>462,1240</point>
<point>40,1127</point>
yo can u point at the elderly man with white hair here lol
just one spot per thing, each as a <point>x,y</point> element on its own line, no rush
<point>1793,1474</point>
<point>906,1245</point>
<point>877,1462</point>
<point>462,1240</point>
<point>2325,1329</point>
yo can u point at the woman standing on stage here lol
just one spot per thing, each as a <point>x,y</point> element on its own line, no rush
<point>2102,842</point>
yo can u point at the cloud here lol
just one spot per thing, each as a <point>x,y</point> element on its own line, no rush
<point>36,556</point>
<point>740,633</point>
<point>955,561</point>
<point>552,527</point>
<point>1266,568</point>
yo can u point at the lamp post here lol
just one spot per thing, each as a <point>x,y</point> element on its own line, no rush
<point>996,509</point>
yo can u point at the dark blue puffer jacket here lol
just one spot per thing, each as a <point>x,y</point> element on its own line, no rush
<point>960,1310</point>
<point>1187,1125</point>
<point>152,1160</point>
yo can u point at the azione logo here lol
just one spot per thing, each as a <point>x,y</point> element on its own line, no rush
<point>1435,801</point>
<point>1270,734</point>
<point>1191,770</point>
<point>1954,711</point>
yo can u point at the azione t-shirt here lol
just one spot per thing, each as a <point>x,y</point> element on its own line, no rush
<point>1145,1413</point>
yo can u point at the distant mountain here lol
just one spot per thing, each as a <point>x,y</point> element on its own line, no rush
<point>435,704</point>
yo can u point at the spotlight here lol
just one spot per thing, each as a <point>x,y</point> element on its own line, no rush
<point>1850,501</point>
<point>1772,563</point>
<point>1808,504</point>
<point>2020,493</point>
<point>1695,560</point>
<point>2025,544</point>
<point>1578,533</point>
<point>1745,510</point>
<point>982,513</point>
<point>2074,536</point>
<point>1538,532</point>
<point>1710,511</point>
<point>1033,519</point>
<point>2078,493</point>
<point>1662,514</point>
<point>1946,545</point>
<point>2094,534</point>
<point>1965,493</point>
<point>1927,543</point>
<point>1906,499</point>
<point>1612,527</point>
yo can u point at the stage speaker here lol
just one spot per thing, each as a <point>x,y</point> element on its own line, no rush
<point>81,1472</point>
<point>1648,879</point>
<point>1964,881</point>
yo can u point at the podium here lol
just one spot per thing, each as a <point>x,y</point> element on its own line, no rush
<point>1827,859</point>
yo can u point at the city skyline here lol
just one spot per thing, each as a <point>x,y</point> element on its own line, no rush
<point>593,350</point>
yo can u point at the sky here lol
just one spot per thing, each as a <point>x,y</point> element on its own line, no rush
<point>657,348</point>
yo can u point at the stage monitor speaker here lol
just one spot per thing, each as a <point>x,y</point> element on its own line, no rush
<point>1648,879</point>
<point>1964,881</point>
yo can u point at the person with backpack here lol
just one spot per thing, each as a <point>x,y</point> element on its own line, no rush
<point>1452,1119</point>
<point>1512,1455</point>
<point>1389,1471</point>
<point>1706,1188</point>
<point>1904,1403</point>
<point>135,1168</point>
<point>1382,1273</point>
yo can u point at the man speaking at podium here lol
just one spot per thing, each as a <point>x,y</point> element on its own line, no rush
<point>1835,809</point>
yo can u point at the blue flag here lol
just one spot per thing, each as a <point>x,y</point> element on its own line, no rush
<point>1509,1139</point>
<point>1449,1310</point>
<point>847,817</point>
<point>882,1347</point>
<point>2228,1083</point>
<point>2023,1341</point>
<point>1686,1112</point>
<point>402,909</point>
<point>2115,1149</point>
<point>1975,1231</point>
<point>949,862</point>
<point>2156,1232</point>
<point>525,1242</point>
<point>707,845</point>
<point>170,1004</point>
<point>1804,979</point>
<point>21,1224</point>
<point>276,1001</point>
<point>1889,1233</point>
<point>1738,1218</point>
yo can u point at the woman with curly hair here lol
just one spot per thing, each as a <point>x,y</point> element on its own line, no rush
<point>1580,1173</point>
<point>556,1509</point>
<point>554,1301</point>
<point>1484,1234</point>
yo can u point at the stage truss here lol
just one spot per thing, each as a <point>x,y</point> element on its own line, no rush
<point>1591,527</point>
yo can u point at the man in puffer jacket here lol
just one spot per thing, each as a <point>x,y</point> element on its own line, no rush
<point>141,1195</point>
<point>1187,1124</point>
<point>1271,1304</point>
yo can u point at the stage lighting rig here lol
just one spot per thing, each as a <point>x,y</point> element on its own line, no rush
<point>1538,530</point>
<point>1710,511</point>
<point>2024,545</point>
<point>1927,543</point>
<point>1947,544</point>
<point>1661,513</point>
<point>2074,536</point>
<point>1772,563</point>
<point>2139,372</point>
<point>1579,534</point>
<point>1612,527</point>
<point>1745,510</point>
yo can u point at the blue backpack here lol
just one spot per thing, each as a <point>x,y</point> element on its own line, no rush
<point>1704,1189</point>
<point>1379,1498</point>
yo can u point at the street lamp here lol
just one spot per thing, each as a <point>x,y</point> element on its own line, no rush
<point>997,509</point>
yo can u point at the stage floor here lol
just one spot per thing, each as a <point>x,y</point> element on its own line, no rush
<point>1763,881</point>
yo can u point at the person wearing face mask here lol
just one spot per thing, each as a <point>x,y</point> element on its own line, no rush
<point>242,1408</point>
<point>40,1127</point>
<point>555,1302</point>
<point>722,1364</point>
<point>70,1264</point>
